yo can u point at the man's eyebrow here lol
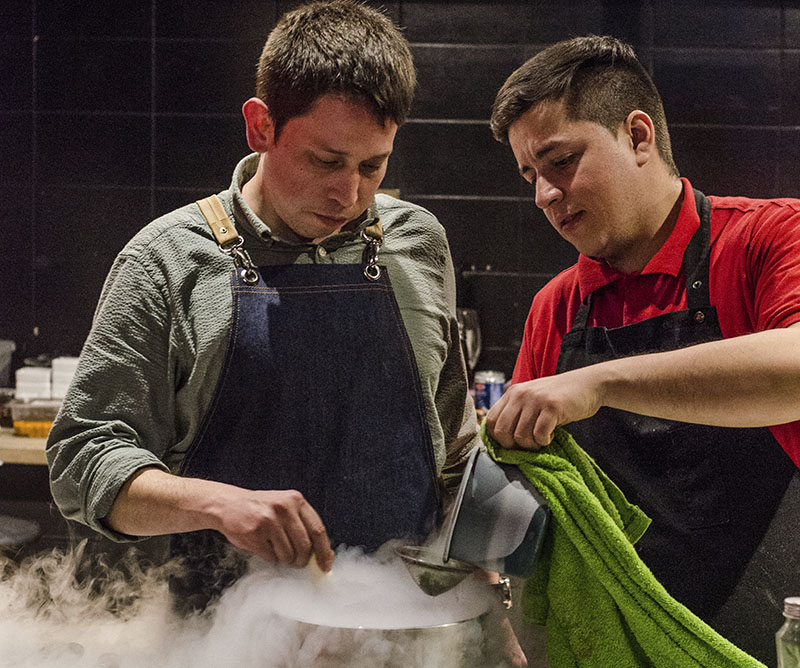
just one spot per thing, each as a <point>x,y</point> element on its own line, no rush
<point>333,151</point>
<point>541,153</point>
<point>547,148</point>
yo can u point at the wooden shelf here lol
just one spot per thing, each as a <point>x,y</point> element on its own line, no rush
<point>21,449</point>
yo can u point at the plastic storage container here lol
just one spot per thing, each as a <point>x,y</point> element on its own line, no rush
<point>33,382</point>
<point>34,417</point>
<point>63,369</point>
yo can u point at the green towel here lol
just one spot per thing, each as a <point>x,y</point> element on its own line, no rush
<point>601,605</point>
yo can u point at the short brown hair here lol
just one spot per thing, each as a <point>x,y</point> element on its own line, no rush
<point>600,79</point>
<point>341,47</point>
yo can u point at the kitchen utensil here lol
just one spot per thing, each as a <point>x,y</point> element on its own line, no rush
<point>498,522</point>
<point>430,572</point>
<point>469,332</point>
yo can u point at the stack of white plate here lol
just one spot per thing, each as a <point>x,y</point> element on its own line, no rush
<point>33,382</point>
<point>63,371</point>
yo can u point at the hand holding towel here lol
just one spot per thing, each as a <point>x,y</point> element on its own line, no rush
<point>601,605</point>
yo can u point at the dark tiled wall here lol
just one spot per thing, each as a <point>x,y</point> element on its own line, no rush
<point>113,113</point>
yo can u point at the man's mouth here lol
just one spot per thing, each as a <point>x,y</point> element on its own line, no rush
<point>331,221</point>
<point>565,222</point>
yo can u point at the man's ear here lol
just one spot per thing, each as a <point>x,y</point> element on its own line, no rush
<point>260,129</point>
<point>642,133</point>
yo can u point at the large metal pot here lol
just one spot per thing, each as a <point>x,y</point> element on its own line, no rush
<point>471,643</point>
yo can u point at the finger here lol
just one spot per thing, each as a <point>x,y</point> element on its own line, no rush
<point>281,544</point>
<point>266,552</point>
<point>320,543</point>
<point>505,425</point>
<point>544,428</point>
<point>523,432</point>
<point>298,540</point>
<point>495,411</point>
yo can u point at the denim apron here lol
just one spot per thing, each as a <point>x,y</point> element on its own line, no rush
<point>720,498</point>
<point>319,393</point>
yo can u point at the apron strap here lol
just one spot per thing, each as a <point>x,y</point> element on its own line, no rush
<point>231,243</point>
<point>222,227</point>
<point>228,238</point>
<point>696,260</point>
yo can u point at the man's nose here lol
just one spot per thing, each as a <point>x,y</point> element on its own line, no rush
<point>344,188</point>
<point>547,193</point>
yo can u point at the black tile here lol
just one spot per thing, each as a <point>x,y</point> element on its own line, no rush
<point>792,26</point>
<point>710,86</point>
<point>16,265</point>
<point>79,232</point>
<point>169,199</point>
<point>16,92</point>
<point>391,9</point>
<point>16,147</point>
<point>726,23</point>
<point>497,358</point>
<point>249,20</point>
<point>106,19</point>
<point>204,76</point>
<point>16,18</point>
<point>503,301</point>
<point>625,20</point>
<point>467,22</point>
<point>788,172</point>
<point>93,75</point>
<point>90,149</point>
<point>461,81</point>
<point>790,90</point>
<point>502,235</point>
<point>454,159</point>
<point>198,151</point>
<point>728,161</point>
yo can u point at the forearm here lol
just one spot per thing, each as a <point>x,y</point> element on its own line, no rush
<point>277,525</point>
<point>746,381</point>
<point>153,502</point>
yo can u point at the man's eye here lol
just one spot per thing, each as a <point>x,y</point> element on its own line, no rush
<point>327,163</point>
<point>565,161</point>
<point>370,169</point>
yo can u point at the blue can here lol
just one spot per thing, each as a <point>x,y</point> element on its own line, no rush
<point>489,387</point>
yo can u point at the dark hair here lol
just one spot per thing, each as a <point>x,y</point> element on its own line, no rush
<point>600,80</point>
<point>341,47</point>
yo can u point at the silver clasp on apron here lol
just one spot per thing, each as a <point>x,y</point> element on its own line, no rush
<point>228,238</point>
<point>373,236</point>
<point>241,258</point>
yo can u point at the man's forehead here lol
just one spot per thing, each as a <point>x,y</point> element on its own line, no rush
<point>540,127</point>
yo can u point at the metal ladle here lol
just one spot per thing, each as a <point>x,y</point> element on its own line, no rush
<point>430,572</point>
<point>435,576</point>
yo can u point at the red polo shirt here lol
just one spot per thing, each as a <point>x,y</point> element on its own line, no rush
<point>754,284</point>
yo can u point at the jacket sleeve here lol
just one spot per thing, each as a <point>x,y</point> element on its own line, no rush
<point>116,417</point>
<point>454,404</point>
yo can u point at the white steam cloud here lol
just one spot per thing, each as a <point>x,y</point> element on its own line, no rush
<point>366,612</point>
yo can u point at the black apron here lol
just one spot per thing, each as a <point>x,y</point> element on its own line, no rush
<point>711,492</point>
<point>319,393</point>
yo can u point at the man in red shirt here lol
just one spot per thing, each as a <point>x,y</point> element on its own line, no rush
<point>671,348</point>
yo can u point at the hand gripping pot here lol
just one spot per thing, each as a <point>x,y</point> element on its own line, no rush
<point>498,520</point>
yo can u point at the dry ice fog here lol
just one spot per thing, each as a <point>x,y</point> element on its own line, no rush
<point>52,615</point>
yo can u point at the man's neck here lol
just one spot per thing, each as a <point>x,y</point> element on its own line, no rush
<point>663,213</point>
